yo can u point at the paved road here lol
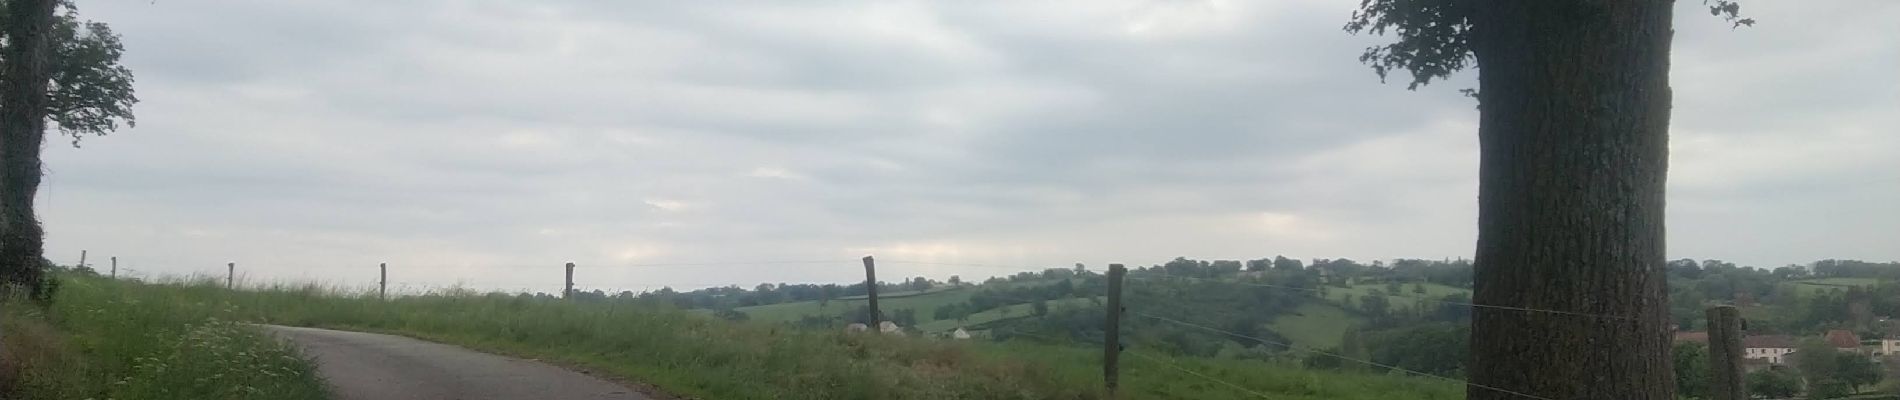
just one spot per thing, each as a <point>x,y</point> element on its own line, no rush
<point>368,366</point>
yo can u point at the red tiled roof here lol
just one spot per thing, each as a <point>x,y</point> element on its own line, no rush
<point>1768,342</point>
<point>1843,339</point>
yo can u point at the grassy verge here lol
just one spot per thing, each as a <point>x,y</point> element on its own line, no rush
<point>103,339</point>
<point>697,356</point>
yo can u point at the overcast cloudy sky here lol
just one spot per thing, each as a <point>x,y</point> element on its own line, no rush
<point>487,142</point>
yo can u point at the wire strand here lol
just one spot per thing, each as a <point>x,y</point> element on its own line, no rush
<point>1289,346</point>
<point>1178,367</point>
<point>1426,299</point>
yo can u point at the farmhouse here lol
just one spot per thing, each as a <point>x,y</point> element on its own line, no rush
<point>1773,348</point>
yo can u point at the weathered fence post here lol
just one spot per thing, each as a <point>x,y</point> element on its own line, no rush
<point>567,292</point>
<point>382,282</point>
<point>1111,331</point>
<point>115,267</point>
<point>230,276</point>
<point>870,291</point>
<point>1725,354</point>
<point>82,258</point>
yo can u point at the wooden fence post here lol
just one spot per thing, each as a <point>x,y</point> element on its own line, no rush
<point>115,267</point>
<point>870,292</point>
<point>1725,354</point>
<point>82,258</point>
<point>567,292</point>
<point>382,283</point>
<point>1111,332</point>
<point>230,276</point>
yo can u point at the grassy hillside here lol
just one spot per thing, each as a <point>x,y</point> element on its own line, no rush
<point>1316,325</point>
<point>104,339</point>
<point>699,356</point>
<point>906,293</point>
<point>1809,287</point>
<point>997,314</point>
<point>1432,291</point>
<point>924,303</point>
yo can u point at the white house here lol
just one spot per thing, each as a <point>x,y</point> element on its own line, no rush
<point>1887,347</point>
<point>1769,347</point>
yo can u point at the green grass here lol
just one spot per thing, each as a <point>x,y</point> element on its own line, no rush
<point>104,339</point>
<point>1315,325</point>
<point>703,357</point>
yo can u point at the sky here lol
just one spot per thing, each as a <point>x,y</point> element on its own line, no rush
<point>486,143</point>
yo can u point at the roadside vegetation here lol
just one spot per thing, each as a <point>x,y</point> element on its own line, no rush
<point>107,339</point>
<point>681,352</point>
<point>1037,334</point>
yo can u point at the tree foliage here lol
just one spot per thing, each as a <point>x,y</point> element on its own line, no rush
<point>91,94</point>
<point>1432,38</point>
<point>1692,370</point>
<point>1857,371</point>
<point>1773,384</point>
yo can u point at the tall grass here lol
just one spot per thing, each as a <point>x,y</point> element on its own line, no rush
<point>693,355</point>
<point>105,339</point>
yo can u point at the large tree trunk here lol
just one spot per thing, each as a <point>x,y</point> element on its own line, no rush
<point>22,130</point>
<point>1574,98</point>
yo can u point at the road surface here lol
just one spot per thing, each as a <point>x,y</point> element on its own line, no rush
<point>368,366</point>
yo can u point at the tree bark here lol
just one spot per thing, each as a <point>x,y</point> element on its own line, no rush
<point>1573,132</point>
<point>23,104</point>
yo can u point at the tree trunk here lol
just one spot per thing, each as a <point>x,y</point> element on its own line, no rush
<point>22,129</point>
<point>1574,98</point>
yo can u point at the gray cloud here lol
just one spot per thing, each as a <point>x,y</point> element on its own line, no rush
<point>486,142</point>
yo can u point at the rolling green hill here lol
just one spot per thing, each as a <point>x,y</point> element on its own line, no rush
<point>996,314</point>
<point>1432,290</point>
<point>1315,325</point>
<point>1809,287</point>
<point>923,303</point>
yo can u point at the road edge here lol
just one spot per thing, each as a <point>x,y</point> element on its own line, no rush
<point>645,389</point>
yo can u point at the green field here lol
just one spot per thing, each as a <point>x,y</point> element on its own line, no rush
<point>1810,287</point>
<point>1432,291</point>
<point>1315,325</point>
<point>907,293</point>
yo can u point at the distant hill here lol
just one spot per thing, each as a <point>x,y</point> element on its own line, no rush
<point>923,305</point>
